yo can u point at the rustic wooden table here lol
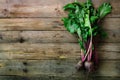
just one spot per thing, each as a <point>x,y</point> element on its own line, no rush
<point>34,45</point>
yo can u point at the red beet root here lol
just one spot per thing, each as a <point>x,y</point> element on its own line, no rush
<point>89,65</point>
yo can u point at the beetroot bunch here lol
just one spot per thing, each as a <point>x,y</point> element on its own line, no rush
<point>83,20</point>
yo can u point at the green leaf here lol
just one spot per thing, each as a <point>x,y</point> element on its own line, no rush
<point>77,10</point>
<point>87,21</point>
<point>69,6</point>
<point>79,32</point>
<point>83,19</point>
<point>88,4</point>
<point>65,21</point>
<point>71,26</point>
<point>93,19</point>
<point>72,6</point>
<point>71,29</point>
<point>81,44</point>
<point>104,9</point>
<point>71,15</point>
<point>95,29</point>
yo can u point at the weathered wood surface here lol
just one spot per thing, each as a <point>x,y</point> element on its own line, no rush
<point>44,77</point>
<point>20,55</point>
<point>45,8</point>
<point>36,36</point>
<point>54,51</point>
<point>49,36</point>
<point>34,45</point>
<point>31,24</point>
<point>54,67</point>
<point>55,78</point>
<point>48,24</point>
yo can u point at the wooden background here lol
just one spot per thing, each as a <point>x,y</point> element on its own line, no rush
<point>34,45</point>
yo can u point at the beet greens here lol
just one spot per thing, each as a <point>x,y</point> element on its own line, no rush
<point>83,20</point>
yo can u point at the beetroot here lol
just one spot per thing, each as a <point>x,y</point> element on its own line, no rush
<point>83,21</point>
<point>89,65</point>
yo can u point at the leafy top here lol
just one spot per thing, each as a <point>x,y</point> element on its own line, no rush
<point>83,19</point>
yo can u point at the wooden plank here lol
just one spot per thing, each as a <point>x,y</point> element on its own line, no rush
<point>38,51</point>
<point>29,24</point>
<point>48,8</point>
<point>108,55</point>
<point>9,36</point>
<point>36,36</point>
<point>3,7</point>
<point>103,55</point>
<point>112,36</point>
<point>49,36</point>
<point>48,24</point>
<point>48,51</point>
<point>44,77</point>
<point>35,47</point>
<point>110,23</point>
<point>54,68</point>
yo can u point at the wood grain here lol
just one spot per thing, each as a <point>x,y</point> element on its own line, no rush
<point>48,24</point>
<point>31,24</point>
<point>48,8</point>
<point>34,45</point>
<point>54,68</point>
<point>49,36</point>
<point>36,36</point>
<point>44,77</point>
<point>48,51</point>
<point>19,55</point>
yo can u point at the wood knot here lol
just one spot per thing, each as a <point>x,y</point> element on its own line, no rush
<point>21,40</point>
<point>114,35</point>
<point>1,37</point>
<point>10,69</point>
<point>5,11</point>
<point>25,63</point>
<point>56,8</point>
<point>25,70</point>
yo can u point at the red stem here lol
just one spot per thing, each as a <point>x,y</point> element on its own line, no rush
<point>88,50</point>
<point>90,55</point>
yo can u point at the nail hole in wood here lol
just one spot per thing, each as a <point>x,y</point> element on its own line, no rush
<point>25,70</point>
<point>25,63</point>
<point>21,40</point>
